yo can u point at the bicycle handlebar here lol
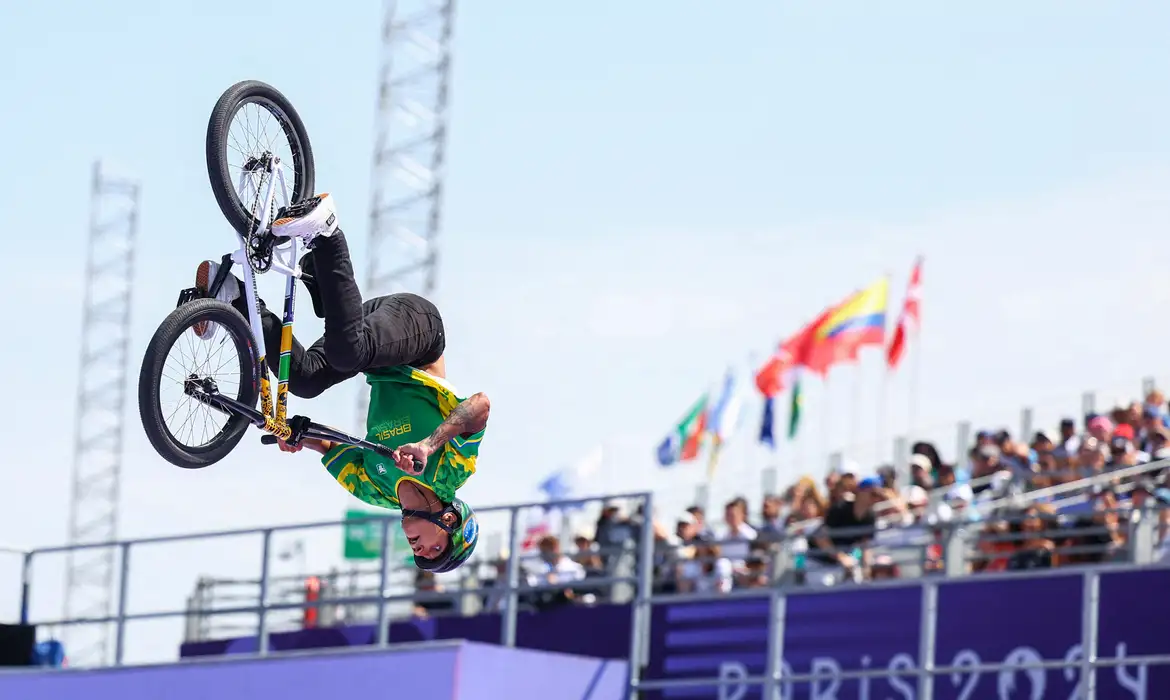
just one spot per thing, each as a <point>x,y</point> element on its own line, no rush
<point>380,449</point>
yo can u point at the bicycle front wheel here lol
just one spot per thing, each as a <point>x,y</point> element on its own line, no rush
<point>252,121</point>
<point>202,340</point>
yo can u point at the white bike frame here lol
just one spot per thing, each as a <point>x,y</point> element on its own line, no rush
<point>284,261</point>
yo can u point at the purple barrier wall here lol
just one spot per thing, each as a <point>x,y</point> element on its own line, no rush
<point>980,621</point>
<point>455,671</point>
<point>496,673</point>
<point>1004,621</point>
<point>608,637</point>
<point>423,673</point>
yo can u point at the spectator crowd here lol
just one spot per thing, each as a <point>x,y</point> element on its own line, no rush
<point>1058,498</point>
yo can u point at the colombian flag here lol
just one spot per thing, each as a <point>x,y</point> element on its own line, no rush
<point>858,321</point>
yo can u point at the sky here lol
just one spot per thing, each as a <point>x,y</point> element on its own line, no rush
<point>640,196</point>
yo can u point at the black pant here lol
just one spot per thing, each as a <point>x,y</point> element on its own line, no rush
<point>388,331</point>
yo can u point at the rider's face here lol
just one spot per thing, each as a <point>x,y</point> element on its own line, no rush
<point>427,540</point>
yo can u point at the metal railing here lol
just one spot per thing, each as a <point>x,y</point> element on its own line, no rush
<point>381,599</point>
<point>641,578</point>
<point>775,683</point>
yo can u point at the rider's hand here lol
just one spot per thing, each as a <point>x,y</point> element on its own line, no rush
<point>405,456</point>
<point>321,446</point>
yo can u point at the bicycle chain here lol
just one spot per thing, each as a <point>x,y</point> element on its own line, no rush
<point>260,244</point>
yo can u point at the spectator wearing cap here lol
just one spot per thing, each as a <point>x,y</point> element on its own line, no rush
<point>927,449</point>
<point>917,500</point>
<point>961,499</point>
<point>686,529</point>
<point>1043,442</point>
<point>849,525</point>
<point>841,481</point>
<point>985,461</point>
<point>700,517</point>
<point>1122,453</point>
<point>1101,428</point>
<point>921,471</point>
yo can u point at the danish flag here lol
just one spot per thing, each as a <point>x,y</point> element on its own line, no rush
<point>910,315</point>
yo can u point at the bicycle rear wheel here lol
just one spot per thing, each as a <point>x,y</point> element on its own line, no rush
<point>251,121</point>
<point>183,430</point>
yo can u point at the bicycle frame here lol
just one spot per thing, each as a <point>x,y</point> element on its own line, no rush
<point>273,416</point>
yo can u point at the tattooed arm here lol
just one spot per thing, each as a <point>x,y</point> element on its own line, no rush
<point>468,418</point>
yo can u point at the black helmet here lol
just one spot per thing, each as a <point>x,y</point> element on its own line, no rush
<point>461,541</point>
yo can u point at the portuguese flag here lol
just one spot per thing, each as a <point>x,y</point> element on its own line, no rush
<point>682,444</point>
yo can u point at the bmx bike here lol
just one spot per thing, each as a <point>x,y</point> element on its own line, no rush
<point>223,391</point>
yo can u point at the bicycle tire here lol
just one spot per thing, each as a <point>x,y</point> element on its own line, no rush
<point>151,376</point>
<point>230,102</point>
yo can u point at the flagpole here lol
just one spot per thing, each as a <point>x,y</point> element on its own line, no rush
<point>915,370</point>
<point>855,409</point>
<point>826,428</point>
<point>883,401</point>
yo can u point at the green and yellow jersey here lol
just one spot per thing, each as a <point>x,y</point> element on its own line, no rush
<point>406,405</point>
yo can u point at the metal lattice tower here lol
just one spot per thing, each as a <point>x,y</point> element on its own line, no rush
<point>101,399</point>
<point>409,149</point>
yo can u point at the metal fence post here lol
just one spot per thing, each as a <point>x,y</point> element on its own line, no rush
<point>25,586</point>
<point>511,599</point>
<point>769,481</point>
<point>262,613</point>
<point>1027,419</point>
<point>1090,598</point>
<point>902,472</point>
<point>1088,403</point>
<point>775,662</point>
<point>383,580</point>
<point>123,592</point>
<point>703,496</point>
<point>640,635</point>
<point>962,444</point>
<point>927,639</point>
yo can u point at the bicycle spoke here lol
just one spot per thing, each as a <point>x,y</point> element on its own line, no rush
<point>188,419</point>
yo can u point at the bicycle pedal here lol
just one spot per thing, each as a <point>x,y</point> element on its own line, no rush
<point>189,295</point>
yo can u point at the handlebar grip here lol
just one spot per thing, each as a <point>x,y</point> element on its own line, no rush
<point>268,439</point>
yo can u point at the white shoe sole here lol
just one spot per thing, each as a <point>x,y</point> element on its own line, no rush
<point>322,221</point>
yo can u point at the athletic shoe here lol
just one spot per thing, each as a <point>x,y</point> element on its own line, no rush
<point>309,278</point>
<point>229,291</point>
<point>306,220</point>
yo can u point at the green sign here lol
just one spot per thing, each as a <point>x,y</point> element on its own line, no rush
<point>363,540</point>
